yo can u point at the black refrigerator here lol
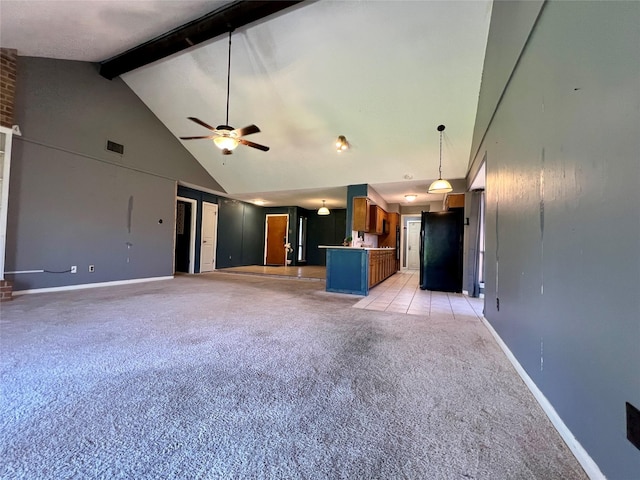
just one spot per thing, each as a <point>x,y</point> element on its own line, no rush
<point>441,237</point>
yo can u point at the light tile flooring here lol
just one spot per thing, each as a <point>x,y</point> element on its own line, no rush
<point>401,293</point>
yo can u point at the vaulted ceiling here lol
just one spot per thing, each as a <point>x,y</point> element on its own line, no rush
<point>384,74</point>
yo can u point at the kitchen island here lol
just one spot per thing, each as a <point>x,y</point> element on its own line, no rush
<point>356,269</point>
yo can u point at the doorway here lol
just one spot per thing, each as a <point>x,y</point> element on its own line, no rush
<point>185,237</point>
<point>276,237</point>
<point>208,237</point>
<point>413,245</point>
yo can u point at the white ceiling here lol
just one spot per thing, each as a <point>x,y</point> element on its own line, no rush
<point>383,73</point>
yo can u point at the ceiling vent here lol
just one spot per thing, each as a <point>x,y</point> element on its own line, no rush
<point>115,147</point>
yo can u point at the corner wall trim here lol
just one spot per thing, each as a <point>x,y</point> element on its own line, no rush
<point>90,285</point>
<point>586,462</point>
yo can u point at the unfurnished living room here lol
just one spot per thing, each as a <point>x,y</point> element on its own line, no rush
<point>319,239</point>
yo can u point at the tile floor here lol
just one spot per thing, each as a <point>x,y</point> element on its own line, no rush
<point>401,293</point>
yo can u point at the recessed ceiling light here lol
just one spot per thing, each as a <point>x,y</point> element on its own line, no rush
<point>259,202</point>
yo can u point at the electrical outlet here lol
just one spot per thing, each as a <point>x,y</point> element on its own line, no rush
<point>92,268</point>
<point>74,269</point>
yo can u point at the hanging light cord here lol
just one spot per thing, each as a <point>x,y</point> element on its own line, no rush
<point>440,167</point>
<point>228,76</point>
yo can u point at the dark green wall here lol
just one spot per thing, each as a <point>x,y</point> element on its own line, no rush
<point>324,230</point>
<point>240,229</point>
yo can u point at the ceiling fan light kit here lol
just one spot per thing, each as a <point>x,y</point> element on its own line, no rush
<point>225,143</point>
<point>225,137</point>
<point>440,185</point>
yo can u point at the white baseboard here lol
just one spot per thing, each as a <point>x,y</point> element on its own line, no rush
<point>90,285</point>
<point>585,460</point>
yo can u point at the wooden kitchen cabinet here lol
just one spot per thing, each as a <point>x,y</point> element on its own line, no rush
<point>367,217</point>
<point>361,214</point>
<point>454,200</point>
<point>382,264</point>
<point>377,219</point>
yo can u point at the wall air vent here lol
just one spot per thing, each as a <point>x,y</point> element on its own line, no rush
<point>115,147</point>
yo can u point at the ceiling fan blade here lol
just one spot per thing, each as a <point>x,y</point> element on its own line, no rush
<point>197,138</point>
<point>248,130</point>
<point>254,145</point>
<point>200,122</point>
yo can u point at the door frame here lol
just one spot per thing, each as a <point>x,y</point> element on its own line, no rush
<point>215,235</point>
<point>418,222</point>
<point>404,234</point>
<point>266,229</point>
<point>192,227</point>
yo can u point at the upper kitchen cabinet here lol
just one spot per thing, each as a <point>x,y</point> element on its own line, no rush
<point>369,218</point>
<point>361,214</point>
<point>377,219</point>
<point>454,200</point>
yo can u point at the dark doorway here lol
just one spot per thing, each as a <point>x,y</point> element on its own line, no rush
<point>183,236</point>
<point>441,250</point>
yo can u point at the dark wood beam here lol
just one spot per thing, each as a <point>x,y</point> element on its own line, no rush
<point>229,17</point>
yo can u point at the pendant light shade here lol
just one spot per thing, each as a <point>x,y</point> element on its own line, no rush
<point>323,210</point>
<point>440,185</point>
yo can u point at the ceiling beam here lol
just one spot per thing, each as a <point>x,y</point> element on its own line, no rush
<point>229,17</point>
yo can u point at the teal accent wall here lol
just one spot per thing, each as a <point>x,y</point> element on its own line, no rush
<point>353,191</point>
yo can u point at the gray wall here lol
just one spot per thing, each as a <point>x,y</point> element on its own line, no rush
<point>563,223</point>
<point>71,201</point>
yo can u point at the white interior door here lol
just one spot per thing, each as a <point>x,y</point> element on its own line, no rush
<point>413,245</point>
<point>6,135</point>
<point>208,237</point>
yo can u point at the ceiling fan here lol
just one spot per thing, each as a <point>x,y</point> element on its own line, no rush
<point>224,136</point>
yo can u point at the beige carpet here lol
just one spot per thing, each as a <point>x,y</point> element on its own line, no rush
<point>235,376</point>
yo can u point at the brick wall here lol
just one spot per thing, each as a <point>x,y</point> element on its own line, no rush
<point>6,290</point>
<point>7,85</point>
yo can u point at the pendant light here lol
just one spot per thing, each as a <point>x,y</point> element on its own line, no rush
<point>323,210</point>
<point>440,185</point>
